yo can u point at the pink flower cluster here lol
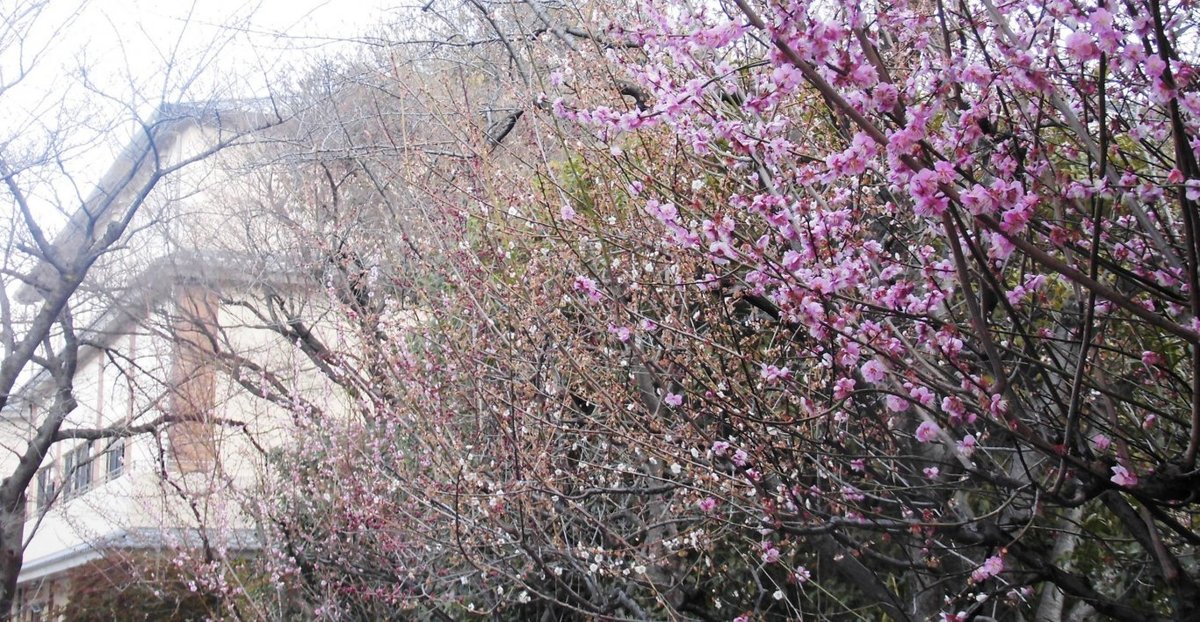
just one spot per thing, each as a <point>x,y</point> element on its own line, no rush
<point>587,287</point>
<point>991,567</point>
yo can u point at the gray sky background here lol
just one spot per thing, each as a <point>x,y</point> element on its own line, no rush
<point>101,61</point>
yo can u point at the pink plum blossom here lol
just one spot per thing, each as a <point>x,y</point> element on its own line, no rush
<point>1080,45</point>
<point>873,371</point>
<point>843,388</point>
<point>998,407</point>
<point>852,494</point>
<point>922,395</point>
<point>928,431</point>
<point>966,446</point>
<point>991,567</point>
<point>1192,189</point>
<point>773,374</point>
<point>1123,477</point>
<point>587,287</point>
<point>928,199</point>
<point>622,333</point>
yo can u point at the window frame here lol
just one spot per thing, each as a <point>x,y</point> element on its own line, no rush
<point>47,488</point>
<point>77,470</point>
<point>114,454</point>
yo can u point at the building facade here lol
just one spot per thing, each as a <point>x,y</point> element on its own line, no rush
<point>168,439</point>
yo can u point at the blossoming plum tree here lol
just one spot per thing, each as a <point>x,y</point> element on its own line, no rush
<point>975,226</point>
<point>780,309</point>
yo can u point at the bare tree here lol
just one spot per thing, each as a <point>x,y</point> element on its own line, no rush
<point>47,303</point>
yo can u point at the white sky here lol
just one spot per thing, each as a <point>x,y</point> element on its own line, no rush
<point>159,45</point>
<point>101,61</point>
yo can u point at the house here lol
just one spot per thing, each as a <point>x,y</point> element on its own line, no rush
<point>190,432</point>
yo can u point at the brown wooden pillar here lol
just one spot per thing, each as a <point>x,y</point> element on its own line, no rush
<point>193,381</point>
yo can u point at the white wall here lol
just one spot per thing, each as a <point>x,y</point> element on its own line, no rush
<point>129,385</point>
<point>130,382</point>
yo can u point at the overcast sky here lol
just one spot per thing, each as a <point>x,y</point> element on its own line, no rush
<point>100,61</point>
<point>116,40</point>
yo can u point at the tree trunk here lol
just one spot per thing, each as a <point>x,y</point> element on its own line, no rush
<point>1050,609</point>
<point>12,550</point>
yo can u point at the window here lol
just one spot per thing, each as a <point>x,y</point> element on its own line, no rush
<point>77,470</point>
<point>114,458</point>
<point>47,488</point>
<point>68,473</point>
